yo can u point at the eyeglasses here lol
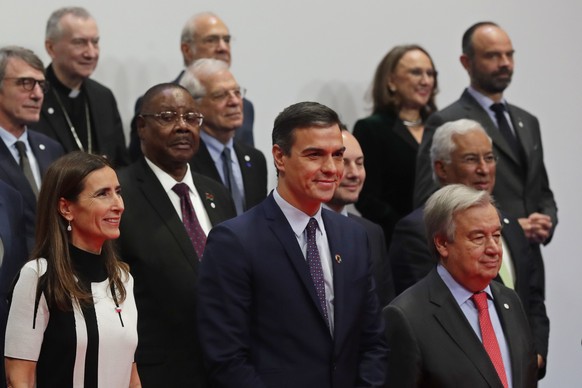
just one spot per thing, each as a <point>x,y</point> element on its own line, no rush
<point>167,118</point>
<point>475,160</point>
<point>417,72</point>
<point>225,94</point>
<point>213,40</point>
<point>29,83</point>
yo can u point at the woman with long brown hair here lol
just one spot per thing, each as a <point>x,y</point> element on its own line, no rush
<point>403,92</point>
<point>73,319</point>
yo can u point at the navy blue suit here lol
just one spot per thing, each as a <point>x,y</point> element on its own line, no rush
<point>260,321</point>
<point>46,151</point>
<point>15,253</point>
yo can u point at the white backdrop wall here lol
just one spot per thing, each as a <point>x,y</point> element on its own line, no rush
<point>290,51</point>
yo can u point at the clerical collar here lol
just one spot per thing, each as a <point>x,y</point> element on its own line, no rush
<point>59,86</point>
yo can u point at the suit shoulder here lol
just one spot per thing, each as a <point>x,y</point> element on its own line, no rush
<point>202,181</point>
<point>367,224</point>
<point>247,149</point>
<point>93,86</point>
<point>47,141</point>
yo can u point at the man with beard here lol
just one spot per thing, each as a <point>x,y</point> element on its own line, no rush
<point>522,188</point>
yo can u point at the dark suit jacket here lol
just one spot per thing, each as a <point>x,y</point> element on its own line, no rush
<point>244,134</point>
<point>380,265</point>
<point>13,237</point>
<point>431,344</point>
<point>517,194</point>
<point>390,159</point>
<point>411,261</point>
<point>254,171</point>
<point>260,321</point>
<point>105,123</point>
<point>164,266</point>
<point>46,150</point>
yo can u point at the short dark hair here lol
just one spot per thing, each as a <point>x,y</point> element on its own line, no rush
<point>385,100</point>
<point>467,42</point>
<point>152,92</point>
<point>26,55</point>
<point>301,115</point>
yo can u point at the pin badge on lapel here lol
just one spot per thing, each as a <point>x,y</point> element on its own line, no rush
<point>247,160</point>
<point>520,124</point>
<point>50,110</point>
<point>506,306</point>
<point>338,259</point>
<point>42,147</point>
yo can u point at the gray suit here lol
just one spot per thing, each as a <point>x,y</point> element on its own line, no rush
<point>431,343</point>
<point>518,193</point>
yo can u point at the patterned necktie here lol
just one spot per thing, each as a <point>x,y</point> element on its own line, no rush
<point>488,335</point>
<point>25,166</point>
<point>506,131</point>
<point>193,228</point>
<point>230,182</point>
<point>314,263</point>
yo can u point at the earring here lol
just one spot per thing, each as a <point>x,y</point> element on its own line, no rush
<point>69,228</point>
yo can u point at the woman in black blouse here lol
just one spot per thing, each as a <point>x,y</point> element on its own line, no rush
<point>403,94</point>
<point>73,319</point>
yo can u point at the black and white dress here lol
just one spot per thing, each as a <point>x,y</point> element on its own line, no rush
<point>90,346</point>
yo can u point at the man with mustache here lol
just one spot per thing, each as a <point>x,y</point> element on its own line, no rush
<point>522,189</point>
<point>240,167</point>
<point>169,212</point>
<point>24,155</point>
<point>79,112</point>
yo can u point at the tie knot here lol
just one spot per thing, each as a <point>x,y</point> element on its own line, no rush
<point>311,227</point>
<point>226,153</point>
<point>480,300</point>
<point>497,107</point>
<point>20,146</point>
<point>181,189</point>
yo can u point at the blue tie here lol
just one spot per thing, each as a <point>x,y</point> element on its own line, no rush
<point>314,263</point>
<point>230,182</point>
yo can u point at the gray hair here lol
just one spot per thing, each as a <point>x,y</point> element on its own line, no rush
<point>54,30</point>
<point>198,70</point>
<point>441,207</point>
<point>443,145</point>
<point>189,30</point>
<point>24,54</point>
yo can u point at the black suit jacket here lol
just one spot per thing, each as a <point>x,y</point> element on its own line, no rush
<point>253,169</point>
<point>390,159</point>
<point>164,265</point>
<point>105,123</point>
<point>432,345</point>
<point>261,323</point>
<point>13,237</point>
<point>411,261</point>
<point>244,134</point>
<point>46,151</point>
<point>516,193</point>
<point>380,265</point>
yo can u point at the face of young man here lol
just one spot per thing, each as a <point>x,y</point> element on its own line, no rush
<point>311,172</point>
<point>352,182</point>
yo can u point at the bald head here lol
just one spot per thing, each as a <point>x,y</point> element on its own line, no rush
<point>205,36</point>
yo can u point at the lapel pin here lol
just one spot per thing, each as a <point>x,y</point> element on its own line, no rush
<point>520,124</point>
<point>338,258</point>
<point>210,198</point>
<point>50,110</point>
<point>41,146</point>
<point>506,221</point>
<point>212,205</point>
<point>247,160</point>
<point>506,306</point>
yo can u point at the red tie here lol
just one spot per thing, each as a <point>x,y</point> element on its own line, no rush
<point>193,228</point>
<point>488,335</point>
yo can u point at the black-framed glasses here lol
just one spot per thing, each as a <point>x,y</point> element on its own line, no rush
<point>28,83</point>
<point>169,117</point>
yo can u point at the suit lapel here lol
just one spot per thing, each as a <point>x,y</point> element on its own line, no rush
<point>41,153</point>
<point>154,193</point>
<point>284,233</point>
<point>202,163</point>
<point>454,322</point>
<point>245,163</point>
<point>207,195</point>
<point>55,118</point>
<point>476,112</point>
<point>14,176</point>
<point>523,135</point>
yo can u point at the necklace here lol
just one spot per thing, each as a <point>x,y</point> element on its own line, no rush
<point>414,123</point>
<point>72,128</point>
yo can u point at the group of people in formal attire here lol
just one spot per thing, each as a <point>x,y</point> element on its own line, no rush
<point>168,263</point>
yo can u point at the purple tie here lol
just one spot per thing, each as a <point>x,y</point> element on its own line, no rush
<point>193,228</point>
<point>314,263</point>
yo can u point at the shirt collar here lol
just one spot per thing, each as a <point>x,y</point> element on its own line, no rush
<point>296,218</point>
<point>168,182</point>
<point>460,293</point>
<point>214,146</point>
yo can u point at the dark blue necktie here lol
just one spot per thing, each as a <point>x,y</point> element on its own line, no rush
<point>506,131</point>
<point>25,166</point>
<point>314,263</point>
